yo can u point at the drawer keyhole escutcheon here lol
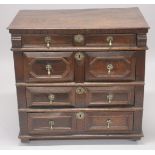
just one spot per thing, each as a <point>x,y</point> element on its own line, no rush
<point>79,56</point>
<point>108,123</point>
<point>110,40</point>
<point>51,124</point>
<point>48,41</point>
<point>79,39</point>
<point>109,98</point>
<point>110,68</point>
<point>80,115</point>
<point>51,98</point>
<point>80,90</point>
<point>49,69</point>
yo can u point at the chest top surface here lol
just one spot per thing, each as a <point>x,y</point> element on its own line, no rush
<point>117,18</point>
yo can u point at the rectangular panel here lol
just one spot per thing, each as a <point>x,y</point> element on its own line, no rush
<point>109,122</point>
<point>41,41</point>
<point>48,123</point>
<point>110,96</point>
<point>111,40</point>
<point>50,96</point>
<point>49,66</point>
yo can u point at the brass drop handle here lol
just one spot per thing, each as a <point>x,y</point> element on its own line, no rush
<point>51,124</point>
<point>108,123</point>
<point>110,40</point>
<point>49,69</point>
<point>109,98</point>
<point>51,98</point>
<point>79,56</point>
<point>48,41</point>
<point>80,115</point>
<point>80,90</point>
<point>79,39</point>
<point>110,68</point>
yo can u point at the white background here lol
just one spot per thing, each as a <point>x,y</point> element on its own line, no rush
<point>9,127</point>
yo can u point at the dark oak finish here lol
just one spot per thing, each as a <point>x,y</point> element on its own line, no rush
<point>79,73</point>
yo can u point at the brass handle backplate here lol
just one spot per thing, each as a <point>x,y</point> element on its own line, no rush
<point>80,90</point>
<point>109,98</point>
<point>49,69</point>
<point>51,124</point>
<point>80,115</point>
<point>109,68</point>
<point>110,40</point>
<point>78,39</point>
<point>51,98</point>
<point>79,56</point>
<point>108,123</point>
<point>48,41</point>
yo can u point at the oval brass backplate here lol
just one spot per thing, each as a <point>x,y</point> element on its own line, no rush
<point>79,39</point>
<point>80,115</point>
<point>80,90</point>
<point>79,56</point>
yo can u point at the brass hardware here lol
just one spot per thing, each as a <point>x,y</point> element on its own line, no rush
<point>51,124</point>
<point>110,40</point>
<point>79,56</point>
<point>48,41</point>
<point>80,90</point>
<point>79,38</point>
<point>49,69</point>
<point>109,67</point>
<point>80,115</point>
<point>109,98</point>
<point>51,97</point>
<point>108,123</point>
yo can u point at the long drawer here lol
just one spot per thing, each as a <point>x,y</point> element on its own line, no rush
<point>60,40</point>
<point>84,121</point>
<point>80,66</point>
<point>80,96</point>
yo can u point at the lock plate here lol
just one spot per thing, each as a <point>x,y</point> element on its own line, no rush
<point>79,56</point>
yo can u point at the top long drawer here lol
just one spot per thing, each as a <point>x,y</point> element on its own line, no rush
<point>106,40</point>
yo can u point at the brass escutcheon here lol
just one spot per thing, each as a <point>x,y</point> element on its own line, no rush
<point>79,56</point>
<point>80,115</point>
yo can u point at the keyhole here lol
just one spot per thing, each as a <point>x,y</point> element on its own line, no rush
<point>79,56</point>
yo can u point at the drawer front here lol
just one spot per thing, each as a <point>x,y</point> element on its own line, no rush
<point>110,66</point>
<point>110,96</point>
<point>111,40</point>
<point>110,122</point>
<point>48,123</point>
<point>82,121</point>
<point>49,66</point>
<point>46,41</point>
<point>55,40</point>
<point>50,96</point>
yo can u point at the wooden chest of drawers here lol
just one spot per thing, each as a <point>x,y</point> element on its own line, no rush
<point>79,73</point>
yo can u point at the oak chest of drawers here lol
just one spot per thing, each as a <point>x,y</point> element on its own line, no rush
<point>79,73</point>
